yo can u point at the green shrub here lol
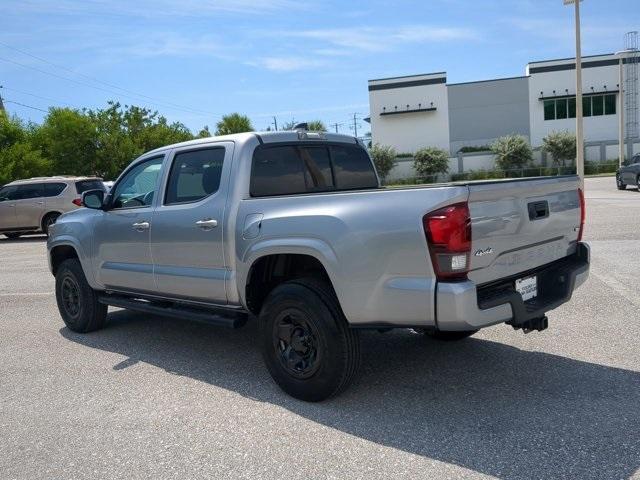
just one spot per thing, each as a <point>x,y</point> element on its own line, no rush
<point>384,158</point>
<point>475,148</point>
<point>430,161</point>
<point>561,146</point>
<point>512,151</point>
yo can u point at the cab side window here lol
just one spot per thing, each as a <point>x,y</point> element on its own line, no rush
<point>138,187</point>
<point>194,175</point>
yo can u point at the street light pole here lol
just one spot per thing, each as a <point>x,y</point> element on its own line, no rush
<point>579,123</point>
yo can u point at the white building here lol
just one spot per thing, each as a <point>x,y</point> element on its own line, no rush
<point>424,110</point>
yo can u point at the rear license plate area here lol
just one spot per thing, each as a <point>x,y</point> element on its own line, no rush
<point>527,287</point>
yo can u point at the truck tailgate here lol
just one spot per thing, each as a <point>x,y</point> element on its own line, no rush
<point>519,225</point>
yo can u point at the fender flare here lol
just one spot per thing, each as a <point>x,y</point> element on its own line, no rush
<point>313,247</point>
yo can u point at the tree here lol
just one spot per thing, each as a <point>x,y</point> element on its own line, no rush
<point>431,161</point>
<point>21,160</point>
<point>384,158</point>
<point>68,138</point>
<point>288,125</point>
<point>561,146</point>
<point>512,151</point>
<point>316,126</point>
<point>233,123</point>
<point>204,133</point>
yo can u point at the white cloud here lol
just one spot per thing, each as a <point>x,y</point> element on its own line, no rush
<point>369,39</point>
<point>287,64</point>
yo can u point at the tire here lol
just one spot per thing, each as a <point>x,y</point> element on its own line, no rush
<point>12,236</point>
<point>638,183</point>
<point>308,348</point>
<point>449,336</point>
<point>619,184</point>
<point>77,301</point>
<point>48,220</point>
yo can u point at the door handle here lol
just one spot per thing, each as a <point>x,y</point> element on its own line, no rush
<point>207,223</point>
<point>39,203</point>
<point>141,226</point>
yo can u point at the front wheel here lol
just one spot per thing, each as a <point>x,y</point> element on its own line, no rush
<point>619,183</point>
<point>309,349</point>
<point>77,301</point>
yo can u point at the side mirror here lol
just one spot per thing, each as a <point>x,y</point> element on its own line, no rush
<point>93,199</point>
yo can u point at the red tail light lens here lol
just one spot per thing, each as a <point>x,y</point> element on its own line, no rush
<point>77,202</point>
<point>448,232</point>
<point>583,213</point>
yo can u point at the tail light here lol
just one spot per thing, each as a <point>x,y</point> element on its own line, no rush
<point>448,232</point>
<point>583,213</point>
<point>77,202</point>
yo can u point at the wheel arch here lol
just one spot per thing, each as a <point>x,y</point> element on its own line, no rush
<point>267,267</point>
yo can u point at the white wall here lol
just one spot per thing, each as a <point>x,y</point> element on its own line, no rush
<point>408,132</point>
<point>599,128</point>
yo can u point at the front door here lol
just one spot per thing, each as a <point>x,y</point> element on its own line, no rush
<point>121,233</point>
<point>187,234</point>
<point>29,205</point>
<point>7,207</point>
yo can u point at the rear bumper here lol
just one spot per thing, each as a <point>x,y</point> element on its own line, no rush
<point>465,306</point>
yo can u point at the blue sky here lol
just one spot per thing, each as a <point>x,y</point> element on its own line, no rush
<point>196,60</point>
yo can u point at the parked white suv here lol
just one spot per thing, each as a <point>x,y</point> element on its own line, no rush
<point>34,204</point>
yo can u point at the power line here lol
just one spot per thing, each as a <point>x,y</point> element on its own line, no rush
<point>25,105</point>
<point>102,82</point>
<point>188,110</point>
<point>4,87</point>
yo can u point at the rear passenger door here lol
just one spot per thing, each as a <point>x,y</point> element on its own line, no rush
<point>29,205</point>
<point>187,234</point>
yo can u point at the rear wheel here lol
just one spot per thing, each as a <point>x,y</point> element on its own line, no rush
<point>77,301</point>
<point>638,183</point>
<point>12,236</point>
<point>619,183</point>
<point>48,220</point>
<point>309,349</point>
<point>449,336</point>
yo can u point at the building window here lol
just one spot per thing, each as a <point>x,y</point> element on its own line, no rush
<point>549,109</point>
<point>592,105</point>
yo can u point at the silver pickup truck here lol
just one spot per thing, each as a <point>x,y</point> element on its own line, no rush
<point>294,229</point>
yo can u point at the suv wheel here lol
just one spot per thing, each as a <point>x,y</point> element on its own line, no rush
<point>638,183</point>
<point>48,220</point>
<point>77,301</point>
<point>309,349</point>
<point>12,236</point>
<point>619,184</point>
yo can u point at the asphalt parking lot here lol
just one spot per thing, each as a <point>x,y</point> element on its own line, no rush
<point>159,398</point>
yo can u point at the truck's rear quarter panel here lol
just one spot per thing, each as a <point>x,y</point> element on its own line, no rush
<point>371,243</point>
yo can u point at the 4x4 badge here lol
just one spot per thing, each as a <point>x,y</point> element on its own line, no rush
<point>482,253</point>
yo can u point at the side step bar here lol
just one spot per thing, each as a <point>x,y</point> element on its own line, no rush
<point>219,317</point>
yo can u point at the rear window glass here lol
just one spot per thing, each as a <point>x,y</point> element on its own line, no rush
<point>290,169</point>
<point>86,185</point>
<point>53,189</point>
<point>352,168</point>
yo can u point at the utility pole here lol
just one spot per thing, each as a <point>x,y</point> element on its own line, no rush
<point>336,125</point>
<point>1,102</point>
<point>579,120</point>
<point>275,122</point>
<point>355,125</point>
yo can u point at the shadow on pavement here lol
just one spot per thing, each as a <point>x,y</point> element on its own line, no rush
<point>34,239</point>
<point>479,404</point>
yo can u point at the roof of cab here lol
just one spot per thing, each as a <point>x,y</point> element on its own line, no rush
<point>264,137</point>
